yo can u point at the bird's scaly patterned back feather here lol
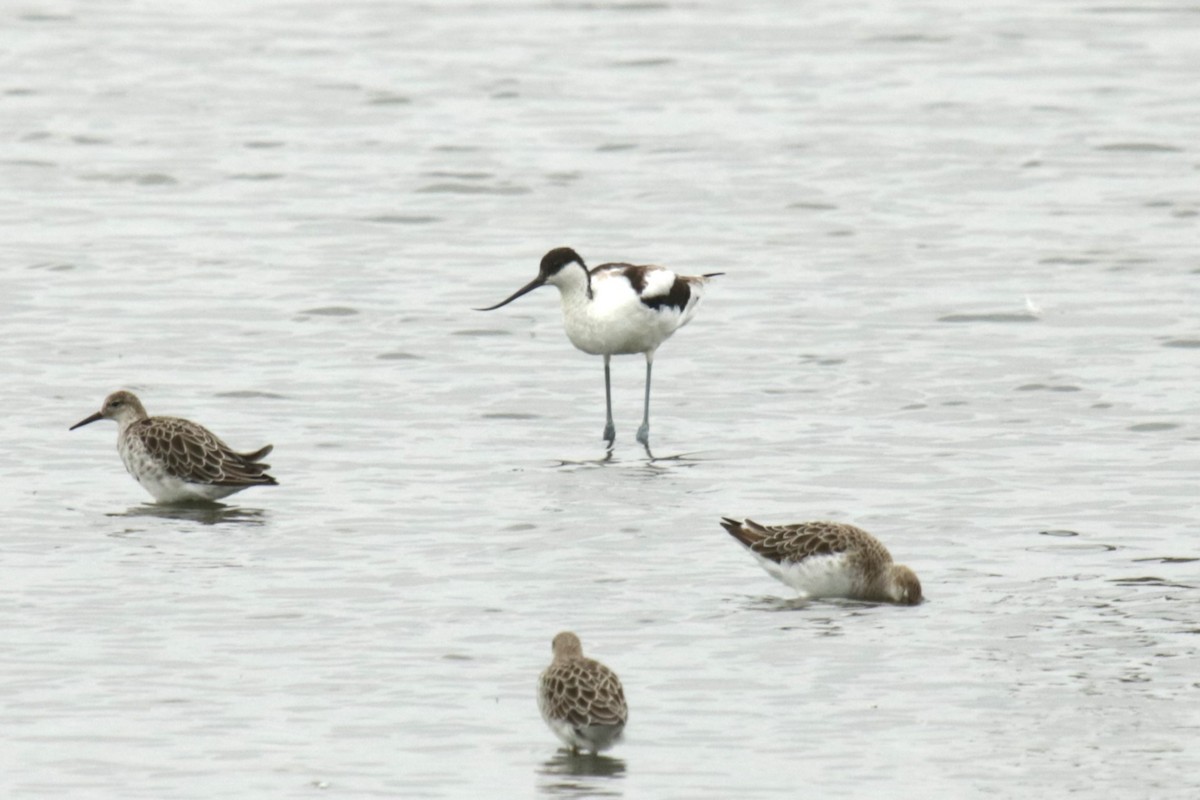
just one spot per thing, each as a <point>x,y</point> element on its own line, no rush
<point>781,543</point>
<point>583,692</point>
<point>193,453</point>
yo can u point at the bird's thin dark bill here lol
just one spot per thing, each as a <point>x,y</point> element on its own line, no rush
<point>87,421</point>
<point>526,289</point>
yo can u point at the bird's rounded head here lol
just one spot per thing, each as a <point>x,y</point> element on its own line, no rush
<point>558,258</point>
<point>904,586</point>
<point>567,645</point>
<point>122,406</point>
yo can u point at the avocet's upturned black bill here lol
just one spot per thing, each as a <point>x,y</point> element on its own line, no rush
<point>617,309</point>
<point>526,289</point>
<point>552,263</point>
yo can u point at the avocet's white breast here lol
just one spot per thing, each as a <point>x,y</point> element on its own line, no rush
<point>616,320</point>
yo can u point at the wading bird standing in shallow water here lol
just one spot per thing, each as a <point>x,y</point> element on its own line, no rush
<point>828,559</point>
<point>176,460</point>
<point>581,699</point>
<point>618,309</point>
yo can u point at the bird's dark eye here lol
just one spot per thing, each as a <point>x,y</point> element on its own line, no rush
<point>115,403</point>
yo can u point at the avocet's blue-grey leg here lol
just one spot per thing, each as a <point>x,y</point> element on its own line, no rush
<point>643,434</point>
<point>610,432</point>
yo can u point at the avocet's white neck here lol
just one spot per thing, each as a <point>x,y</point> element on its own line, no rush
<point>573,282</point>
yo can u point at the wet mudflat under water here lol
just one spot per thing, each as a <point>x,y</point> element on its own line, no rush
<point>959,310</point>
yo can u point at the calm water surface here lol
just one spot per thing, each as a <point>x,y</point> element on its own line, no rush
<point>959,310</point>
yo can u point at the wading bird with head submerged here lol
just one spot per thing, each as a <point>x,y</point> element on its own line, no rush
<point>828,559</point>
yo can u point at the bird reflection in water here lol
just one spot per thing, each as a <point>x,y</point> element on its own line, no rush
<point>569,774</point>
<point>652,463</point>
<point>203,513</point>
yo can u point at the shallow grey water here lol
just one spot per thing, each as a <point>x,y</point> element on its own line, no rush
<point>959,310</point>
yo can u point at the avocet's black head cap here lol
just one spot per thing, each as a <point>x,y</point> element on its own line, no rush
<point>552,264</point>
<point>558,258</point>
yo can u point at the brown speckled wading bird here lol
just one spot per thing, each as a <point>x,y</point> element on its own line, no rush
<point>581,699</point>
<point>176,460</point>
<point>828,559</point>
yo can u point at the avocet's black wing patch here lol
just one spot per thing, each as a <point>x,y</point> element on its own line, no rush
<point>677,296</point>
<point>655,287</point>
